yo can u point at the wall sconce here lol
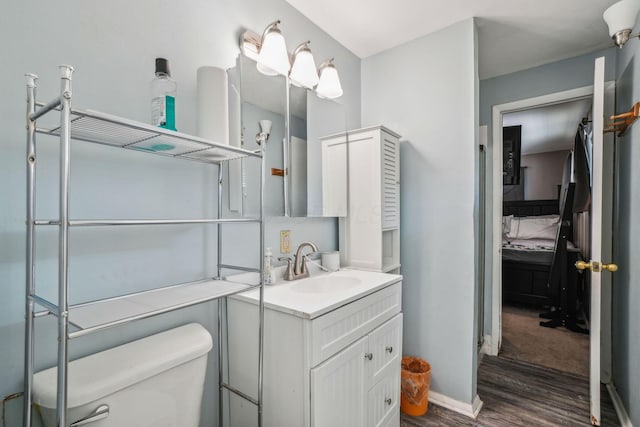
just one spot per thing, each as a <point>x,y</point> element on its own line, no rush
<point>621,17</point>
<point>270,53</point>
<point>273,57</point>
<point>303,71</point>
<point>329,85</point>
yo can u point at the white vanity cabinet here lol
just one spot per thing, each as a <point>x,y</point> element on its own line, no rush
<point>339,368</point>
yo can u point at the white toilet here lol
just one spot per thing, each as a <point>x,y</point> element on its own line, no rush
<point>155,381</point>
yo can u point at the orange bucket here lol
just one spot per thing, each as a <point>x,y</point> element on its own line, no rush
<point>415,380</point>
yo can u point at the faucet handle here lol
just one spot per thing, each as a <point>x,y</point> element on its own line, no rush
<point>288,274</point>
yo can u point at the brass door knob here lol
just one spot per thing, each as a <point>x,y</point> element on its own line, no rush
<point>582,265</point>
<point>595,266</point>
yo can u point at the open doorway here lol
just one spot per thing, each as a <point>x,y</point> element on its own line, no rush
<point>494,338</point>
<point>545,172</point>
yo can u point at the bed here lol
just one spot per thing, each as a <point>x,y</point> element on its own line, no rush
<point>537,254</point>
<point>526,263</point>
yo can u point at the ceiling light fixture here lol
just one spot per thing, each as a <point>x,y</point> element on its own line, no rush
<point>273,57</point>
<point>303,71</point>
<point>621,17</point>
<point>329,85</point>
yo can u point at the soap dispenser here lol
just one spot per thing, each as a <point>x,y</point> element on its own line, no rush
<point>269,273</point>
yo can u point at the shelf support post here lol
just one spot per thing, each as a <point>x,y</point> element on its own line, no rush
<point>263,178</point>
<point>30,248</point>
<point>66,72</point>
<point>220,341</point>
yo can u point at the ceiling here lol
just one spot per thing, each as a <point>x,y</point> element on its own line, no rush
<point>549,128</point>
<point>513,35</point>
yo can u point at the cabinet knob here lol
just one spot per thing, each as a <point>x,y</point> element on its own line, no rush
<point>389,349</point>
<point>368,356</point>
<point>388,400</point>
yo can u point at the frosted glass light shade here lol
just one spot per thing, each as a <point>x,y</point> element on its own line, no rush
<point>273,56</point>
<point>303,71</point>
<point>621,17</point>
<point>329,85</point>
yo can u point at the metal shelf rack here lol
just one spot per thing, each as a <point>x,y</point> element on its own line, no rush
<point>82,319</point>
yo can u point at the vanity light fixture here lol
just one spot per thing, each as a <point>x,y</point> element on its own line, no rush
<point>270,53</point>
<point>621,17</point>
<point>273,57</point>
<point>303,71</point>
<point>329,85</point>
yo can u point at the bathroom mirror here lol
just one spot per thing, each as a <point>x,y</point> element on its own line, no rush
<point>299,120</point>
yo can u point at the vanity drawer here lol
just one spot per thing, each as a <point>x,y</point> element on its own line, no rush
<point>335,330</point>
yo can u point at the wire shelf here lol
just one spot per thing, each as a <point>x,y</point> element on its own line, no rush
<point>106,313</point>
<point>106,129</point>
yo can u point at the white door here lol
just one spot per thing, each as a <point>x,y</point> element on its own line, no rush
<point>596,264</point>
<point>338,395</point>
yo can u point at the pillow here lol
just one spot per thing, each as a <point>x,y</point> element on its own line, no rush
<point>506,224</point>
<point>534,227</point>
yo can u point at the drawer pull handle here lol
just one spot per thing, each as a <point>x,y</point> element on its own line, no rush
<point>388,400</point>
<point>389,349</point>
<point>368,356</point>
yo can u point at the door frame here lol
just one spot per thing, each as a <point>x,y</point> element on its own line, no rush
<point>494,340</point>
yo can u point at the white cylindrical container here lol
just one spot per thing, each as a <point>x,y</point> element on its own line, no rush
<point>331,260</point>
<point>212,104</point>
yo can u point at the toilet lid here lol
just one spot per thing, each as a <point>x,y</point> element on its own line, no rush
<point>101,374</point>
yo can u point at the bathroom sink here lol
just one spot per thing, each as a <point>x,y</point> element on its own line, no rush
<point>325,284</point>
<point>319,294</point>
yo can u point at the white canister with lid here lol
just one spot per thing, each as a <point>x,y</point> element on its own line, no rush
<point>331,260</point>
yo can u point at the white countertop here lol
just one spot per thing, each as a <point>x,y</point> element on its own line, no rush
<point>286,296</point>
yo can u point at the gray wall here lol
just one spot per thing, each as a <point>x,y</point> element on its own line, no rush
<point>425,90</point>
<point>559,76</point>
<point>543,174</point>
<point>626,251</point>
<point>112,46</point>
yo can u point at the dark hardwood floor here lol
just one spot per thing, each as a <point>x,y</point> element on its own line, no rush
<point>520,394</point>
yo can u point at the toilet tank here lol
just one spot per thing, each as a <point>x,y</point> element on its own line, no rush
<point>155,381</point>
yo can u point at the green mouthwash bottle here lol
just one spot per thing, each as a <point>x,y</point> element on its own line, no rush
<point>163,96</point>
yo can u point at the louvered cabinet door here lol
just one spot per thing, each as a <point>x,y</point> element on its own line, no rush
<point>390,181</point>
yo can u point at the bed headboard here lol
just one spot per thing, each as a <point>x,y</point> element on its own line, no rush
<point>530,207</point>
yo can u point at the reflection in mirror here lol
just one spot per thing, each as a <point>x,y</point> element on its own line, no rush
<point>261,97</point>
<point>325,117</point>
<point>299,120</point>
<point>295,186</point>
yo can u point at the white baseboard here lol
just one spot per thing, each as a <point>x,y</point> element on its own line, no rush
<point>623,416</point>
<point>487,347</point>
<point>469,410</point>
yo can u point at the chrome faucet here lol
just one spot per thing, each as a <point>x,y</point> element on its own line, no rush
<point>297,269</point>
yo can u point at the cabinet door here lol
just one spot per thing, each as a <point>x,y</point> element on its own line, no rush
<point>338,395</point>
<point>334,177</point>
<point>390,181</point>
<point>364,237</point>
<point>385,346</point>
